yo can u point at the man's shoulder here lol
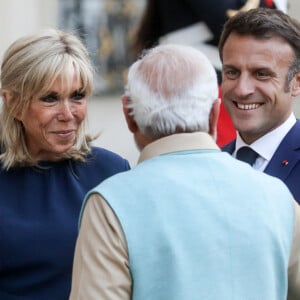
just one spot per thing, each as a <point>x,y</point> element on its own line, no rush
<point>290,142</point>
<point>293,134</point>
<point>229,147</point>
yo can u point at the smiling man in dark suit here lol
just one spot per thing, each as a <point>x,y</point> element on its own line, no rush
<point>260,52</point>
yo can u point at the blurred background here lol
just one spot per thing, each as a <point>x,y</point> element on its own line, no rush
<point>106,26</point>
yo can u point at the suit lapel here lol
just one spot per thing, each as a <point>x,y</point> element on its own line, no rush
<point>286,156</point>
<point>229,147</point>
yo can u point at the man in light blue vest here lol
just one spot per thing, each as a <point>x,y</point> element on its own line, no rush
<point>189,222</point>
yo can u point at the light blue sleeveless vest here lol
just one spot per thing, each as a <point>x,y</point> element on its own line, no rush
<point>202,226</point>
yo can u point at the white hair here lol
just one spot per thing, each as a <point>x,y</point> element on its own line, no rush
<point>172,89</point>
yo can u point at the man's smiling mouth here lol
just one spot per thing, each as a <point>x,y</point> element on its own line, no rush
<point>247,106</point>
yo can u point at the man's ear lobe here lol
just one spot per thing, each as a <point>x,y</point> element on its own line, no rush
<point>213,118</point>
<point>132,126</point>
<point>295,85</point>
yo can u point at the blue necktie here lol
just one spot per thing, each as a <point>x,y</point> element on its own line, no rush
<point>247,155</point>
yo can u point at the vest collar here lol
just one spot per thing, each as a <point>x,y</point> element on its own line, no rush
<point>178,142</point>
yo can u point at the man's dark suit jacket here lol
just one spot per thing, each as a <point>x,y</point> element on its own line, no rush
<point>285,163</point>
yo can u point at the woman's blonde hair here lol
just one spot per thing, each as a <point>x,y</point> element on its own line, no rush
<point>30,66</point>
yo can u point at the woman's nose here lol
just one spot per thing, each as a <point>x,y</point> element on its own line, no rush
<point>66,112</point>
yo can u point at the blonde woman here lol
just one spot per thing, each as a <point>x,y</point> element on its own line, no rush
<point>47,162</point>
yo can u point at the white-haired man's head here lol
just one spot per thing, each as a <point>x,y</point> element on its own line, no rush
<point>171,89</point>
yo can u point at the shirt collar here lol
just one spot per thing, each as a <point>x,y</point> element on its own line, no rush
<point>267,144</point>
<point>178,142</point>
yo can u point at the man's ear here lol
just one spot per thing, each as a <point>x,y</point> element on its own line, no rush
<point>213,118</point>
<point>132,126</point>
<point>295,85</point>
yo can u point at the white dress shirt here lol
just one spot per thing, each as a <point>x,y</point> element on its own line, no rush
<point>267,144</point>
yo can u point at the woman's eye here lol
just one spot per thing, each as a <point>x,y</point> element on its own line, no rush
<point>78,95</point>
<point>50,98</point>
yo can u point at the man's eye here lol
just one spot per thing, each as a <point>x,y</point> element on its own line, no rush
<point>262,74</point>
<point>50,98</point>
<point>231,74</point>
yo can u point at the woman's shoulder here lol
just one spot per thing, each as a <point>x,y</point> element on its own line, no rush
<point>99,165</point>
<point>102,153</point>
<point>106,159</point>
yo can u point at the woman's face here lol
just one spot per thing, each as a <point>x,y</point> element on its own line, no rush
<point>52,120</point>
